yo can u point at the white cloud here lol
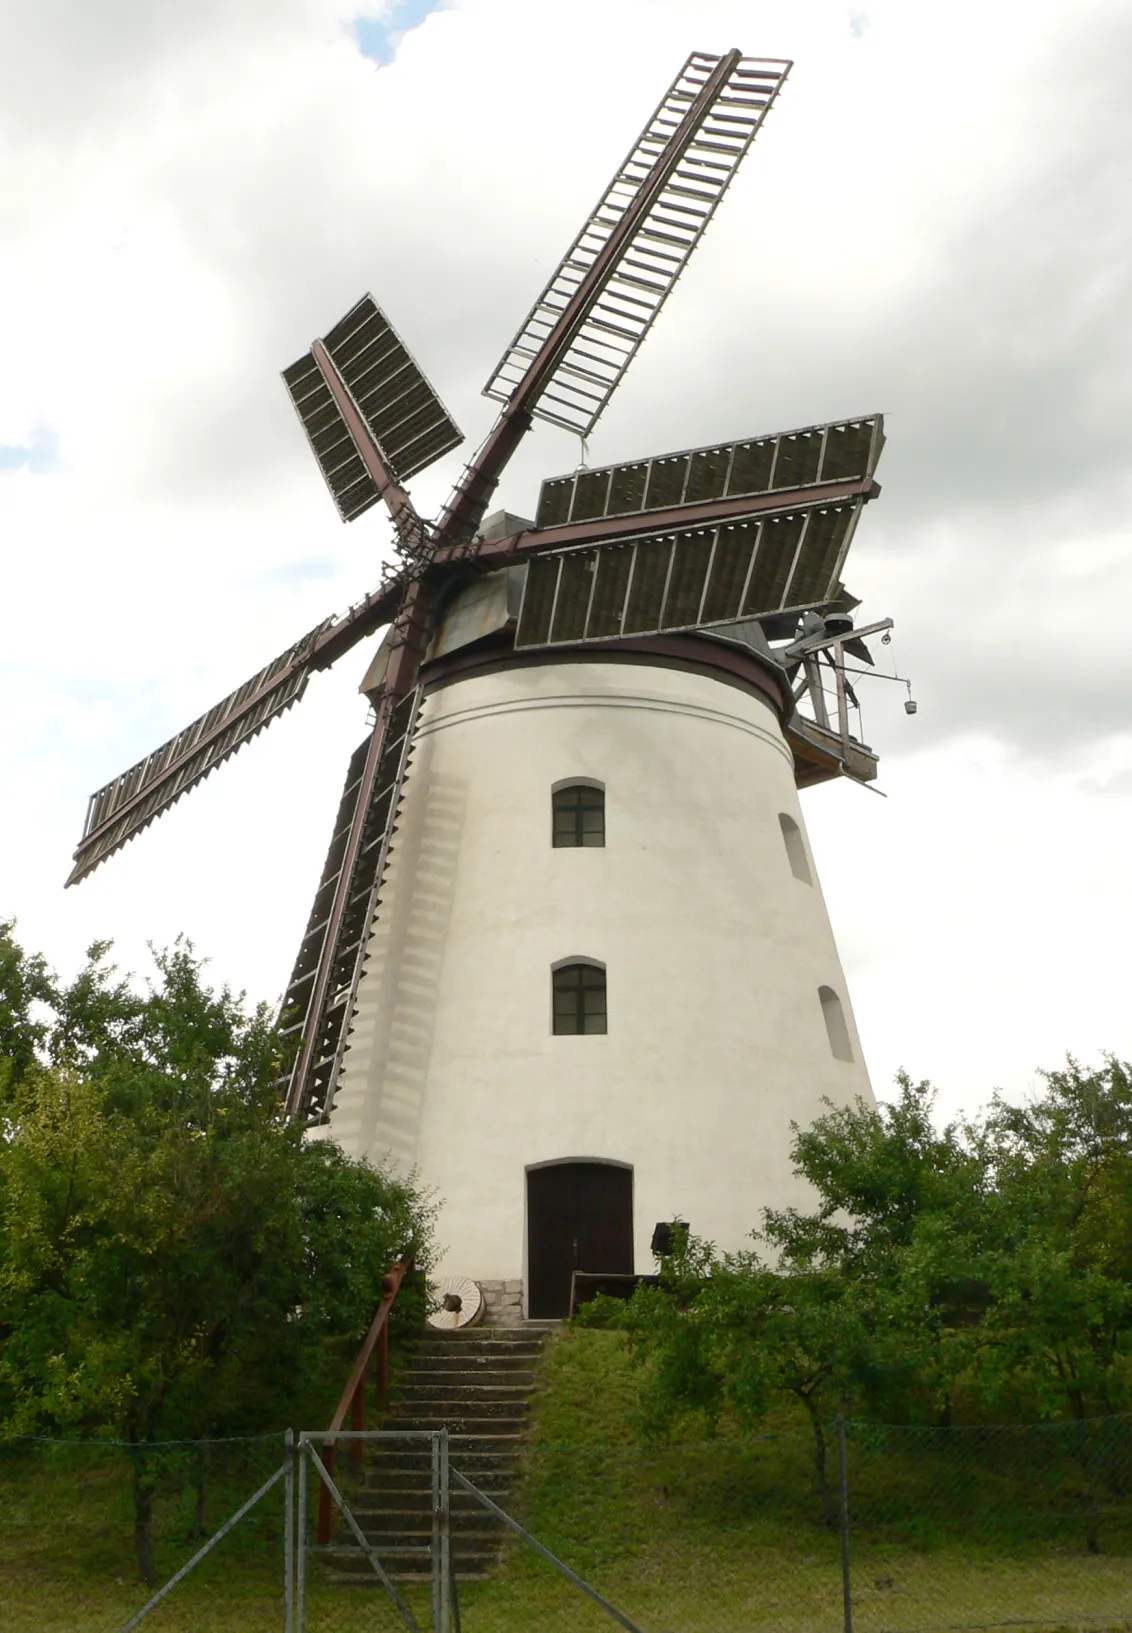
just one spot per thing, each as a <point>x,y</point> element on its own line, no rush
<point>927,225</point>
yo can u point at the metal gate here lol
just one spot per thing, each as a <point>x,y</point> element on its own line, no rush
<point>308,1474</point>
<point>436,1554</point>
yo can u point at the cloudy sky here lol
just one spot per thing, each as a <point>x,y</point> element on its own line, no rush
<point>934,223</point>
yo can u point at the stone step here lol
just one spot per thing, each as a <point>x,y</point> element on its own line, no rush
<point>477,1338</point>
<point>475,1426</point>
<point>420,1496</point>
<point>472,1569</point>
<point>417,1411</point>
<point>477,1384</point>
<point>408,1542</point>
<point>456,1378</point>
<point>435,1398</point>
<point>381,1477</point>
<point>471,1556</point>
<point>453,1360</point>
<point>503,1442</point>
<point>410,1524</point>
<point>461,1448</point>
<point>471,1463</point>
<point>435,1352</point>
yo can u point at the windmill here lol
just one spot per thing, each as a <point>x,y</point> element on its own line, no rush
<point>720,561</point>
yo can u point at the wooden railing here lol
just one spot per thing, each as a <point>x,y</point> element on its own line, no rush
<point>354,1395</point>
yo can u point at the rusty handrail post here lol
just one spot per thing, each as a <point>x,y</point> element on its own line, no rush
<point>358,1422</point>
<point>353,1396</point>
<point>383,1369</point>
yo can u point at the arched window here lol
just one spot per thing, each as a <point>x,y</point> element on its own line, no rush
<point>834,1016</point>
<point>579,813</point>
<point>795,848</point>
<point>578,996</point>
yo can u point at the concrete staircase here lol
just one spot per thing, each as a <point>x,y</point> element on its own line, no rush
<point>478,1383</point>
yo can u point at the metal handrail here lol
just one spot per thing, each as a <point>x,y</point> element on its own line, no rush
<point>354,1394</point>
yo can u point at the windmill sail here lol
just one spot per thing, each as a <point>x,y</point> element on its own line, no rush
<point>685,579</point>
<point>406,418</point>
<point>680,165</point>
<point>843,451</point>
<point>318,1007</point>
<point>133,800</point>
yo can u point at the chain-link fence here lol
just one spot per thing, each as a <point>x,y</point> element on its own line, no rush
<point>989,1526</point>
<point>853,1526</point>
<point>90,1531</point>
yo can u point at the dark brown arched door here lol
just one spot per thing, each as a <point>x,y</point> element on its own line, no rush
<point>579,1217</point>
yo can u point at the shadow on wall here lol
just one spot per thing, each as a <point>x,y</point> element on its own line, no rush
<point>392,1042</point>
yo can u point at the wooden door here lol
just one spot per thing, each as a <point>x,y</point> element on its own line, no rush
<point>579,1217</point>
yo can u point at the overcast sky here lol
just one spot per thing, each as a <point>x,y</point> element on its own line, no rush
<point>934,223</point>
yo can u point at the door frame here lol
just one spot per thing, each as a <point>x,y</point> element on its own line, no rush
<point>560,1162</point>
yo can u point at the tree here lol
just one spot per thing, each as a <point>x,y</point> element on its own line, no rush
<point>173,1256</point>
<point>26,985</point>
<point>1059,1262</point>
<point>990,1261</point>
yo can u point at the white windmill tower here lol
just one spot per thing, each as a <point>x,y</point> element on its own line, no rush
<point>569,957</point>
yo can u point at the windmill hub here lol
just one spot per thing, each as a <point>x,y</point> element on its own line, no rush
<point>568,956</point>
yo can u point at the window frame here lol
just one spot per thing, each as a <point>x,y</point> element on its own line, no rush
<point>796,853</point>
<point>836,1025</point>
<point>579,1012</point>
<point>580,839</point>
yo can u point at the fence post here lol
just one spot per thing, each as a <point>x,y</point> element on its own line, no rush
<point>843,1483</point>
<point>445,1538</point>
<point>289,1533</point>
<point>301,1537</point>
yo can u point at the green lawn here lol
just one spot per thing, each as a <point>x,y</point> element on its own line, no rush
<point>719,1536</point>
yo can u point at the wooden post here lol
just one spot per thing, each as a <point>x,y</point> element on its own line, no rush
<point>353,1396</point>
<point>383,1369</point>
<point>358,1423</point>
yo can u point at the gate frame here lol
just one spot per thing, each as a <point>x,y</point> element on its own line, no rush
<point>444,1597</point>
<point>438,1551</point>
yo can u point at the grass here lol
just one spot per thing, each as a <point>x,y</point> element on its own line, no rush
<point>720,1536</point>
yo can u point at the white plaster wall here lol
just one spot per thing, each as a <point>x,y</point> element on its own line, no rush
<point>714,952</point>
